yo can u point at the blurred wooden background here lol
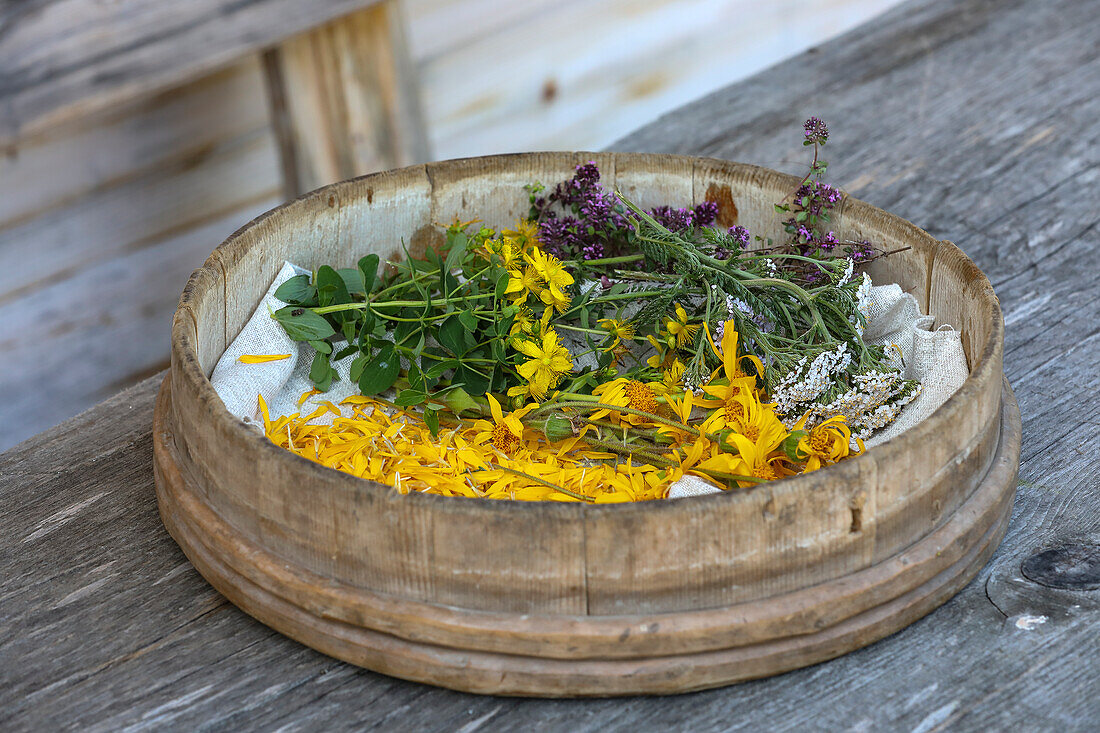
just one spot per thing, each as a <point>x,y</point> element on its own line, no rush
<point>135,135</point>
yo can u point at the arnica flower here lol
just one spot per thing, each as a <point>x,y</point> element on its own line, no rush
<point>505,433</point>
<point>757,421</point>
<point>761,460</point>
<point>548,362</point>
<point>737,382</point>
<point>825,443</point>
<point>678,332</point>
<point>626,393</point>
<point>618,329</point>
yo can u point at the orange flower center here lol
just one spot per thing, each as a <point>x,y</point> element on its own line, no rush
<point>765,471</point>
<point>734,410</point>
<point>504,439</point>
<point>640,397</point>
<point>820,441</point>
<point>751,432</point>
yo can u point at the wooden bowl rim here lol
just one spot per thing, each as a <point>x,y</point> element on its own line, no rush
<point>186,357</point>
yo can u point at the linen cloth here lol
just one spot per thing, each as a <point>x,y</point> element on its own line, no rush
<point>935,358</point>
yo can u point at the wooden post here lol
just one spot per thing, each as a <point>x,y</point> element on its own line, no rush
<point>344,100</point>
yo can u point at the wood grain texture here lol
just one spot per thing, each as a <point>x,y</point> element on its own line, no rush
<point>101,224</point>
<point>345,101</point>
<point>66,58</point>
<point>998,157</point>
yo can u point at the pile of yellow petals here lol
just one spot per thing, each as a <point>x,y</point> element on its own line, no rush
<point>493,459</point>
<point>727,434</point>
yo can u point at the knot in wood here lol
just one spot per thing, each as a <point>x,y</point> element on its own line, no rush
<point>1072,567</point>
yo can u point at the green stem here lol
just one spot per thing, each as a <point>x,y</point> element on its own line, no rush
<point>371,305</point>
<point>606,260</point>
<point>544,482</point>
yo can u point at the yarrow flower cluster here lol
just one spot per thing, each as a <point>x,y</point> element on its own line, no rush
<point>805,383</point>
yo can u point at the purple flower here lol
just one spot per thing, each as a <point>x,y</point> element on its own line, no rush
<point>816,130</point>
<point>706,213</point>
<point>830,194</point>
<point>675,220</point>
<point>740,233</point>
<point>829,241</point>
<point>592,251</point>
<point>862,252</point>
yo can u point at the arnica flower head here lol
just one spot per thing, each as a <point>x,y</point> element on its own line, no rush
<point>816,131</point>
<point>825,443</point>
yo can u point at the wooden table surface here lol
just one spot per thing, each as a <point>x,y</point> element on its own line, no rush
<point>979,121</point>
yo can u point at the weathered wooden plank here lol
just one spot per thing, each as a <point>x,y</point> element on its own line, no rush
<point>954,145</point>
<point>186,124</point>
<point>103,327</point>
<point>505,77</point>
<point>345,100</point>
<point>66,58</point>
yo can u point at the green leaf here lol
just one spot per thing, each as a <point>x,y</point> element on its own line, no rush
<point>468,319</point>
<point>790,445</point>
<point>458,399</point>
<point>440,367</point>
<point>431,419</point>
<point>302,324</point>
<point>322,347</point>
<point>297,291</point>
<point>409,397</point>
<point>416,377</point>
<point>357,366</point>
<point>330,287</point>
<point>452,336</point>
<point>501,284</point>
<point>346,352</point>
<point>321,373</point>
<point>348,329</point>
<point>474,382</point>
<point>381,372</point>
<point>368,267</point>
<point>353,280</point>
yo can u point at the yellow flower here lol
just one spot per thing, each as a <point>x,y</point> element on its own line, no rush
<point>505,433</point>
<point>672,379</point>
<point>524,237</point>
<point>755,420</point>
<point>624,392</point>
<point>548,362</point>
<point>665,356</point>
<point>757,460</point>
<point>824,444</point>
<point>618,329</point>
<point>678,332</point>
<point>737,382</point>
<point>520,283</point>
<point>510,256</point>
<point>551,270</point>
<point>523,322</point>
